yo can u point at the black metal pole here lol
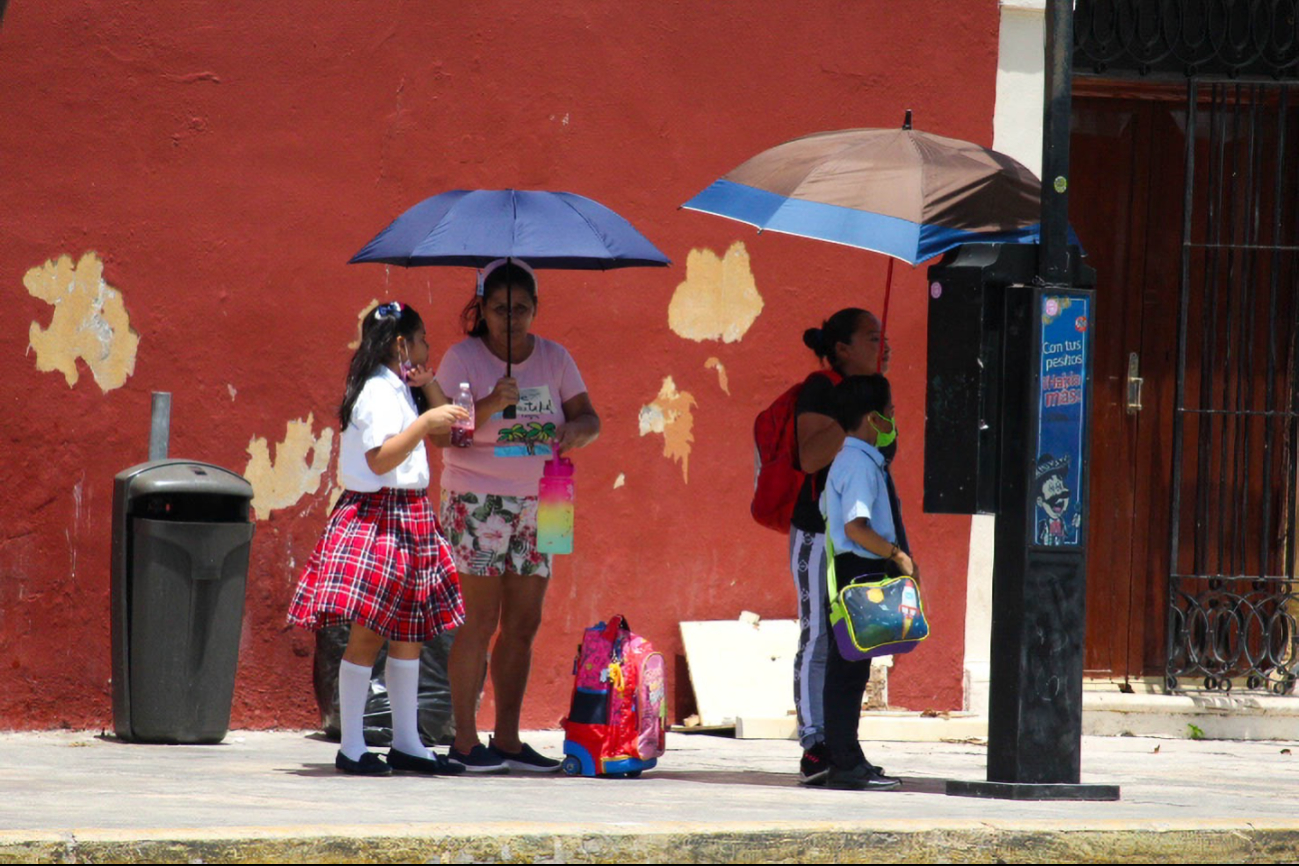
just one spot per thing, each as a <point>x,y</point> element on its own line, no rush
<point>1053,261</point>
<point>1040,560</point>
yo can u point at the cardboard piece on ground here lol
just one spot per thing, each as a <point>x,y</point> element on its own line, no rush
<point>742,667</point>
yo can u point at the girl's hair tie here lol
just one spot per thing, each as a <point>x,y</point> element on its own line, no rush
<point>392,308</point>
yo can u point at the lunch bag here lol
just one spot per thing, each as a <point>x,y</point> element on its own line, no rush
<point>874,615</point>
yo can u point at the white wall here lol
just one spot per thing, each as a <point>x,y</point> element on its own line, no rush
<point>1017,132</point>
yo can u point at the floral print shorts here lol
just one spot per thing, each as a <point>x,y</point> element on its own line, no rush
<point>491,534</point>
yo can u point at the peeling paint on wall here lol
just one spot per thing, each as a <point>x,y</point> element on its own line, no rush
<point>620,480</point>
<point>670,415</point>
<point>290,476</point>
<point>89,322</point>
<point>718,300</point>
<point>715,364</point>
<point>360,318</point>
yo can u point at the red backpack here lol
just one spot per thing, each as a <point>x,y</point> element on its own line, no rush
<point>777,476</point>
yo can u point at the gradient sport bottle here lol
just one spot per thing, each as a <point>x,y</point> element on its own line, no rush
<point>555,497</point>
<point>462,432</point>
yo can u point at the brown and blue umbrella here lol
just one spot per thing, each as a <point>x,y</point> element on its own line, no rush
<point>910,195</point>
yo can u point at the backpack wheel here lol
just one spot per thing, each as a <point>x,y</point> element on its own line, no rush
<point>633,774</point>
<point>572,766</point>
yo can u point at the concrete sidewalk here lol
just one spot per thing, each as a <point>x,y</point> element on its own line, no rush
<point>274,797</point>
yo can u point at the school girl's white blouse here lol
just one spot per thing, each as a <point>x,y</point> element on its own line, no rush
<point>384,409</point>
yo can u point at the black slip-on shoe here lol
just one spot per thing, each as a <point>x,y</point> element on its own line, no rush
<point>479,759</point>
<point>435,765</point>
<point>368,764</point>
<point>527,759</point>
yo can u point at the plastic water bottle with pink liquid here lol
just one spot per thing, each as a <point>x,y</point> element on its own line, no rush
<point>555,507</point>
<point>462,432</point>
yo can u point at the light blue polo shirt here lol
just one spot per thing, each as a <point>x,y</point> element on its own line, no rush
<point>856,488</point>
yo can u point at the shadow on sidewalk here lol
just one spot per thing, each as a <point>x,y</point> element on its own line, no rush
<point>778,780</point>
<point>706,777</point>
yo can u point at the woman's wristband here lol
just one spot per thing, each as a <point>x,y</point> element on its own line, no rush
<point>894,550</point>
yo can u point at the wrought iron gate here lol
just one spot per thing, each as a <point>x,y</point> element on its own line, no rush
<point>1232,591</point>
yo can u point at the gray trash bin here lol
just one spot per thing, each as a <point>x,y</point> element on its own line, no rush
<point>181,540</point>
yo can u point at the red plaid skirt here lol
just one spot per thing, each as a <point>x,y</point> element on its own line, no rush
<point>383,563</point>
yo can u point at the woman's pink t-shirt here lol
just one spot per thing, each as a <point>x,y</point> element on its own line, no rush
<point>507,456</point>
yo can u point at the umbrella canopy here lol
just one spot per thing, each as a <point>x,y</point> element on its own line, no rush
<point>473,228</point>
<point>907,194</point>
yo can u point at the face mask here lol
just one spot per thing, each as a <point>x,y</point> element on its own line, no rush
<point>405,367</point>
<point>890,451</point>
<point>882,439</point>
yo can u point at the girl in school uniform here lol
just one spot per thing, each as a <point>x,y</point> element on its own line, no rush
<point>382,564</point>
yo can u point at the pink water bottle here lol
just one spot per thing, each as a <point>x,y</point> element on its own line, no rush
<point>462,432</point>
<point>555,507</point>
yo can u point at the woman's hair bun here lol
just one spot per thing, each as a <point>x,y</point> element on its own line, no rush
<point>814,339</point>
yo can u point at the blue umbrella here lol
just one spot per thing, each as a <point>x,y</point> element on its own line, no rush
<point>473,228</point>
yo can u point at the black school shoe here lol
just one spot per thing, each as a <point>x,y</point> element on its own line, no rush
<point>368,764</point>
<point>863,777</point>
<point>436,765</point>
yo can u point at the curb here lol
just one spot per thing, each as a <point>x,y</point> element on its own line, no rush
<point>830,842</point>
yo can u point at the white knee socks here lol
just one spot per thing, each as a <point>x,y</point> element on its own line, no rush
<point>402,678</point>
<point>353,689</point>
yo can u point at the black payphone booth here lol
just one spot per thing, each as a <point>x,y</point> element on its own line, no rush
<point>1007,410</point>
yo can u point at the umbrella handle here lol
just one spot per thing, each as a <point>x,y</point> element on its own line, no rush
<point>884,323</point>
<point>509,413</point>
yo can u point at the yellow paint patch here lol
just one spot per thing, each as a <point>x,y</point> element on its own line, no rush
<point>360,318</point>
<point>718,300</point>
<point>89,322</point>
<point>715,364</point>
<point>281,482</point>
<point>669,414</point>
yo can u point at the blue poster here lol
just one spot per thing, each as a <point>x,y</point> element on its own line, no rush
<point>1062,391</point>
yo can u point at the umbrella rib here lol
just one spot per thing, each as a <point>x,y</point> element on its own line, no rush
<point>911,140</point>
<point>594,230</point>
<point>514,221</point>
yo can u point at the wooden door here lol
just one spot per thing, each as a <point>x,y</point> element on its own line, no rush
<point>1126,192</point>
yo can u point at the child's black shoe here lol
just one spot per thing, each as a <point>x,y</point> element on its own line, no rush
<point>369,764</point>
<point>435,765</point>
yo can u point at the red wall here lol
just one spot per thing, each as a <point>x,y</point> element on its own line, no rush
<point>225,159</point>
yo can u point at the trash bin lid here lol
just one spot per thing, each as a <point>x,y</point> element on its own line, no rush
<point>183,477</point>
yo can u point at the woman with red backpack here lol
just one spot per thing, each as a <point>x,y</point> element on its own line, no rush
<point>848,344</point>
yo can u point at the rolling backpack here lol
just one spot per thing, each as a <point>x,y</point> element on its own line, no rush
<point>777,479</point>
<point>617,719</point>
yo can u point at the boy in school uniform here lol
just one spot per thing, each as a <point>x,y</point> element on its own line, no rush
<point>864,523</point>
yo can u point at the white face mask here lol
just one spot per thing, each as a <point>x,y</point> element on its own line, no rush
<point>405,367</point>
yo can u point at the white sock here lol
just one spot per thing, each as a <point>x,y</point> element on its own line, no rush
<point>353,689</point>
<point>402,678</point>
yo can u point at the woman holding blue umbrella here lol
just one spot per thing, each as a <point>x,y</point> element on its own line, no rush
<point>489,490</point>
<point>489,503</point>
